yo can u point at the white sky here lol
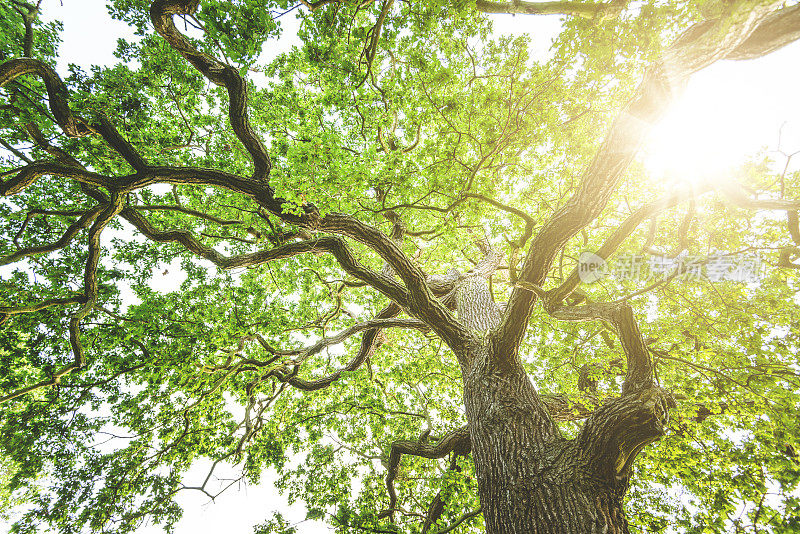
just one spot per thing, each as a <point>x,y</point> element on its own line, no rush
<point>729,111</point>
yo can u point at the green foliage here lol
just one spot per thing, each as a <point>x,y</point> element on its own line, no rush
<point>177,371</point>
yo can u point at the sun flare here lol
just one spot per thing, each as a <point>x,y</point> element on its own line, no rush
<point>699,139</point>
<point>717,125</point>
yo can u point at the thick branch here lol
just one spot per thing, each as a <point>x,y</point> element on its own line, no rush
<point>422,303</point>
<point>30,173</point>
<point>735,193</point>
<point>465,517</point>
<point>90,277</point>
<point>330,244</point>
<point>28,13</point>
<point>620,315</point>
<point>587,10</point>
<point>56,92</point>
<point>57,301</point>
<point>793,224</point>
<point>88,301</point>
<point>419,298</point>
<point>72,125</point>
<point>313,6</point>
<point>437,505</point>
<point>161,13</point>
<point>776,31</point>
<point>120,144</point>
<point>697,48</point>
<point>615,433</point>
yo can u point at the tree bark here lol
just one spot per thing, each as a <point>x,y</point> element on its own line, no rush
<point>530,478</point>
<point>533,480</point>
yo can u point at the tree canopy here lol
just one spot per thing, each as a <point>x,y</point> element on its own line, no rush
<point>332,220</point>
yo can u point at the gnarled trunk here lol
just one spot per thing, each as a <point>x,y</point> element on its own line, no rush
<point>530,478</point>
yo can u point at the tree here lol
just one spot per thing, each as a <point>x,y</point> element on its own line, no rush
<point>365,238</point>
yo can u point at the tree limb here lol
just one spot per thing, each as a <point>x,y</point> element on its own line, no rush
<point>554,297</point>
<point>161,13</point>
<point>735,193</point>
<point>457,441</point>
<point>421,301</point>
<point>333,245</point>
<point>776,31</point>
<point>72,230</point>
<point>587,10</point>
<point>369,342</point>
<point>698,47</point>
<point>87,300</point>
<point>620,315</point>
<point>56,91</point>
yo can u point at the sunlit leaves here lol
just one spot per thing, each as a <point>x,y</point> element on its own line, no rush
<point>183,355</point>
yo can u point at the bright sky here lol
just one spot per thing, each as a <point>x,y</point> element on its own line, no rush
<point>729,111</point>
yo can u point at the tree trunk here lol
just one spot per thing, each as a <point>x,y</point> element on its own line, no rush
<point>530,478</point>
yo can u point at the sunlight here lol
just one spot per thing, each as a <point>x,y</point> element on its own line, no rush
<point>695,141</point>
<point>728,114</point>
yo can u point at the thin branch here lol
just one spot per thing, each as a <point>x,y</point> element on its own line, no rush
<point>556,296</point>
<point>465,517</point>
<point>369,343</point>
<point>529,221</point>
<point>187,211</point>
<point>372,323</point>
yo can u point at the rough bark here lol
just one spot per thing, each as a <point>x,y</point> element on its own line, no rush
<point>530,478</point>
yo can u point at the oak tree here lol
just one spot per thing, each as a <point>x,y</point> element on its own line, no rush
<point>371,245</point>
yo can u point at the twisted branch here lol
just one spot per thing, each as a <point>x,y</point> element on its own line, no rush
<point>161,13</point>
<point>457,441</point>
<point>88,300</point>
<point>620,315</point>
<point>369,343</point>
